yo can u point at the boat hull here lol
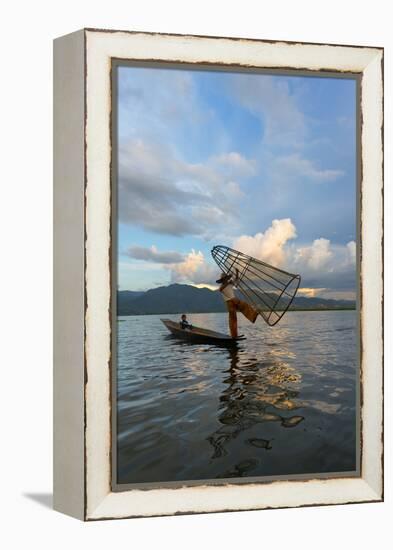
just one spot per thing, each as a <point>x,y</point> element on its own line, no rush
<point>200,335</point>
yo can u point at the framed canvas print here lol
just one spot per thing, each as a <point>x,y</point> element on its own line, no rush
<point>218,274</point>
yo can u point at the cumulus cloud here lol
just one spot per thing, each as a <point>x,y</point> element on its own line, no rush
<point>321,254</point>
<point>275,246</point>
<point>321,264</point>
<point>181,172</point>
<point>270,245</point>
<point>326,269</point>
<point>191,268</point>
<point>162,193</point>
<point>160,189</point>
<point>315,256</point>
<point>153,255</point>
<point>194,269</point>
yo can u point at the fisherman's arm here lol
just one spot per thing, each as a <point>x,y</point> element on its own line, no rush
<point>221,287</point>
<point>225,284</point>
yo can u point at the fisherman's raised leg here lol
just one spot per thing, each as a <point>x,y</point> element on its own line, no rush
<point>247,309</point>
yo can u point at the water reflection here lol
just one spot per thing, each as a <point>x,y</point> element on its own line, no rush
<point>282,402</point>
<point>255,391</point>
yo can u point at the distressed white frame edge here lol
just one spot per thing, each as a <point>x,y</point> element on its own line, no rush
<point>101,503</point>
<point>69,275</point>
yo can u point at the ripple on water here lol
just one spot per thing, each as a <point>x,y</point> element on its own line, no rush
<point>201,412</point>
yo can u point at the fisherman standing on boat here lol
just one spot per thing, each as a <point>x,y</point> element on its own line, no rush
<point>233,304</point>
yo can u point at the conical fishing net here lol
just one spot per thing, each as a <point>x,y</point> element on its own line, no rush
<point>269,289</point>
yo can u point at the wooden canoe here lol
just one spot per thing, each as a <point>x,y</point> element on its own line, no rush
<point>200,335</point>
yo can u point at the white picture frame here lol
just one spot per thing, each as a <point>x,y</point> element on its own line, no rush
<point>82,246</point>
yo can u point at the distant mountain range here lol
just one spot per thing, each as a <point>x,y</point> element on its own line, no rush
<point>178,298</point>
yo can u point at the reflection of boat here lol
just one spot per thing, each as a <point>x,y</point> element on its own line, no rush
<point>200,335</point>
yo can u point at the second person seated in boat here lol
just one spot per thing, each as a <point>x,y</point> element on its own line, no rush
<point>184,323</point>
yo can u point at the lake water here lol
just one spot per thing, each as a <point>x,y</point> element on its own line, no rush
<point>283,402</point>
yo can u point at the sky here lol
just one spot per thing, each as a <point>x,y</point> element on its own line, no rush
<point>263,163</point>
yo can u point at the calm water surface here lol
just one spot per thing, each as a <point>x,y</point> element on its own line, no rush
<point>283,402</point>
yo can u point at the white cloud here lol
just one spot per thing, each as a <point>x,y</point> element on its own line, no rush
<point>310,292</point>
<point>331,294</point>
<point>191,268</point>
<point>322,255</point>
<point>152,254</point>
<point>160,189</point>
<point>161,192</point>
<point>235,163</point>
<point>194,269</point>
<point>351,248</point>
<point>325,264</point>
<point>295,166</point>
<point>233,189</point>
<point>270,245</point>
<point>270,99</point>
<point>324,267</point>
<point>153,99</point>
<point>315,256</point>
<point>205,285</point>
<point>321,264</point>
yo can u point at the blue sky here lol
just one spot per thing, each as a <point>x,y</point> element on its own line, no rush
<point>262,163</point>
